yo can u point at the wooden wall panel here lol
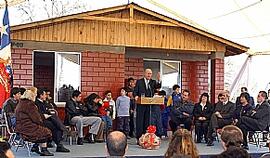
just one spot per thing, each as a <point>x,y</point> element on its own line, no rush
<point>119,34</point>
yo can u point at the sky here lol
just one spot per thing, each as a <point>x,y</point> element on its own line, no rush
<point>249,26</point>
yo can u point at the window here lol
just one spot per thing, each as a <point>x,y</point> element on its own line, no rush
<point>59,72</point>
<point>68,74</point>
<point>169,71</point>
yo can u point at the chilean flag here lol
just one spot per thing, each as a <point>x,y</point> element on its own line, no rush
<point>5,49</point>
<point>5,58</point>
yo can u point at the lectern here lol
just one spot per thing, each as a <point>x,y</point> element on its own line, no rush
<point>149,101</point>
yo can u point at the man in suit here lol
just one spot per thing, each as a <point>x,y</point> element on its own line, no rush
<point>144,86</point>
<point>222,115</point>
<point>257,119</point>
<point>51,121</point>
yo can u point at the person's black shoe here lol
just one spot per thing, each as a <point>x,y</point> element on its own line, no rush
<point>91,139</point>
<point>245,147</point>
<point>61,148</point>
<point>199,141</point>
<point>80,141</point>
<point>266,145</point>
<point>35,149</point>
<point>250,139</point>
<point>214,134</point>
<point>210,143</point>
<point>45,152</point>
<point>50,145</point>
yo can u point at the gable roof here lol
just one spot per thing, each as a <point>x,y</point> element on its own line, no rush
<point>232,48</point>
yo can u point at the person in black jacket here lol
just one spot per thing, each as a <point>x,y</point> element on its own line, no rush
<point>76,114</point>
<point>257,119</point>
<point>202,113</point>
<point>251,99</point>
<point>243,108</point>
<point>182,112</point>
<point>144,87</point>
<point>222,115</point>
<point>51,121</point>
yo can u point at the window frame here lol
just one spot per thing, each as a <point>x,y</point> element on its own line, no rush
<point>55,73</point>
<point>161,69</point>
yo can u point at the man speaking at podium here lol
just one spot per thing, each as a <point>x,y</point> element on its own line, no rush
<point>144,87</point>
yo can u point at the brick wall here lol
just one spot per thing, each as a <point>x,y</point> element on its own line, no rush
<point>102,71</point>
<point>134,68</point>
<point>195,78</point>
<point>22,67</point>
<point>217,78</point>
<point>44,77</point>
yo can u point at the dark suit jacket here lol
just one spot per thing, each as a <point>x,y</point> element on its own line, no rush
<point>242,111</point>
<point>141,87</point>
<point>205,112</point>
<point>226,110</point>
<point>262,115</point>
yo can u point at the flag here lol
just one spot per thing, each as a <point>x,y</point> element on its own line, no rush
<point>5,49</point>
<point>5,59</point>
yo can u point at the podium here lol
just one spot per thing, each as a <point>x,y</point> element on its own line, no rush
<point>150,100</point>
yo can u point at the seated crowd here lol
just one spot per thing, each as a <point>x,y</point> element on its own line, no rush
<point>34,117</point>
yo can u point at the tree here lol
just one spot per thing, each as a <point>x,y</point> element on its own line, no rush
<point>35,10</point>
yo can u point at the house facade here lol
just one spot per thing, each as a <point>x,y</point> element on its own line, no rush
<point>98,50</point>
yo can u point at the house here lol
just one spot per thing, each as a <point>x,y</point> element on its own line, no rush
<point>97,50</point>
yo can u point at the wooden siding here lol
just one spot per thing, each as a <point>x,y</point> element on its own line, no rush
<point>119,34</point>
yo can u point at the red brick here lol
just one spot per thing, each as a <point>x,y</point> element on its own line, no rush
<point>98,89</point>
<point>29,67</point>
<point>92,84</point>
<point>97,69</point>
<point>19,82</point>
<point>28,51</point>
<point>111,79</point>
<point>104,64</point>
<point>25,77</point>
<point>109,60</point>
<point>20,72</point>
<point>87,59</point>
<point>26,56</point>
<point>93,74</point>
<point>87,89</point>
<point>92,64</point>
<point>100,60</point>
<point>16,66</point>
<point>19,61</point>
<point>98,78</point>
<point>86,79</point>
<point>105,55</point>
<point>29,83</point>
<point>91,54</point>
<point>15,56</point>
<point>104,74</point>
<point>109,70</point>
<point>20,51</point>
<point>29,62</point>
<point>114,55</point>
<point>84,64</point>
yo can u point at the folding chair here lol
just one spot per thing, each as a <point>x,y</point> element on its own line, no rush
<point>258,137</point>
<point>15,139</point>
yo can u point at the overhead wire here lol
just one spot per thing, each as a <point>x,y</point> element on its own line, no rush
<point>238,10</point>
